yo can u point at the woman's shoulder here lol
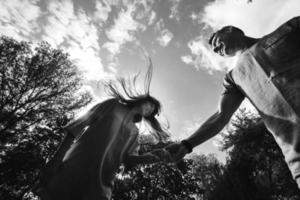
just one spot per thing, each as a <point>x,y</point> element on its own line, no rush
<point>120,110</point>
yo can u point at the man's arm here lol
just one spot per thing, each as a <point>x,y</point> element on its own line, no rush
<point>214,124</point>
<point>211,127</point>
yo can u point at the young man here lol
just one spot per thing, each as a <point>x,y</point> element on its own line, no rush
<point>268,74</point>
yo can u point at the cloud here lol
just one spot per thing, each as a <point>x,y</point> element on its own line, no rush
<point>16,23</point>
<point>124,29</point>
<point>144,11</point>
<point>217,141</point>
<point>103,8</point>
<point>112,47</point>
<point>152,17</point>
<point>159,25</point>
<point>187,59</point>
<point>77,34</point>
<point>165,37</point>
<point>61,26</point>
<point>203,58</point>
<point>194,16</point>
<point>88,61</point>
<point>189,127</point>
<point>174,9</point>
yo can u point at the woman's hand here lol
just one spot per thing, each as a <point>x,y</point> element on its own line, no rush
<point>177,151</point>
<point>162,155</point>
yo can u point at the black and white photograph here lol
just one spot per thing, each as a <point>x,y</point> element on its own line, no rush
<point>149,100</point>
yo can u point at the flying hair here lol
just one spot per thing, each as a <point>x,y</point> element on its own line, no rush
<point>126,92</point>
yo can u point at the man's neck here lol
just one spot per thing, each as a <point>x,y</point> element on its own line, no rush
<point>249,41</point>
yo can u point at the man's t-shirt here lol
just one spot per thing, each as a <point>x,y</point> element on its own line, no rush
<point>230,87</point>
<point>268,74</point>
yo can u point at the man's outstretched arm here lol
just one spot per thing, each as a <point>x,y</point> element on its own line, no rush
<point>211,127</point>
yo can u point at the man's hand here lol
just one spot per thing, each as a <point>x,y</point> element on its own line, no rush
<point>162,154</point>
<point>154,156</point>
<point>177,151</point>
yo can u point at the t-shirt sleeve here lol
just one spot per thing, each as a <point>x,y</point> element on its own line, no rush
<point>230,87</point>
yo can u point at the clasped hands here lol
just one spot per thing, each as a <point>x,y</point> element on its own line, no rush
<point>171,153</point>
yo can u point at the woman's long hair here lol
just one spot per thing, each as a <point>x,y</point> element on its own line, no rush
<point>132,97</point>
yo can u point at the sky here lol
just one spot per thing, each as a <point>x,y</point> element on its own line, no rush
<point>111,38</point>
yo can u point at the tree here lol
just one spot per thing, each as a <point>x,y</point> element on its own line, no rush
<point>255,168</point>
<point>192,178</point>
<point>39,92</point>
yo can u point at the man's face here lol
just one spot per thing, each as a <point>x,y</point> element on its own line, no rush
<point>226,43</point>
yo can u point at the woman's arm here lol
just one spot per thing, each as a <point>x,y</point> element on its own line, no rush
<point>150,157</point>
<point>52,165</point>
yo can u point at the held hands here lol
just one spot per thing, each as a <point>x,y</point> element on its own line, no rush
<point>177,151</point>
<point>173,152</point>
<point>162,155</point>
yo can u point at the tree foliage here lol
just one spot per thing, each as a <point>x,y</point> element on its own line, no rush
<point>39,92</point>
<point>191,179</point>
<point>255,168</point>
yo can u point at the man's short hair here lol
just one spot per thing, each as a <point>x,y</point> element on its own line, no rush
<point>226,29</point>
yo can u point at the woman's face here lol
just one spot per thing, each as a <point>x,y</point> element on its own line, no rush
<point>147,109</point>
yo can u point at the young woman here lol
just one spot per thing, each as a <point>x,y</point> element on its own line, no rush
<point>99,142</point>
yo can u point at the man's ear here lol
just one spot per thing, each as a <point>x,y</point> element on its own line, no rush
<point>211,39</point>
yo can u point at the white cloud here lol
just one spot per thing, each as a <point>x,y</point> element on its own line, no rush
<point>112,47</point>
<point>16,23</point>
<point>174,9</point>
<point>152,18</point>
<point>217,141</point>
<point>203,57</point>
<point>194,16</point>
<point>187,59</point>
<point>88,61</point>
<point>59,25</point>
<point>159,25</point>
<point>103,8</point>
<point>76,33</point>
<point>189,127</point>
<point>124,29</point>
<point>165,37</point>
<point>144,11</point>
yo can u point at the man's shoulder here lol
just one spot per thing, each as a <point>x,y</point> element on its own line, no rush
<point>285,28</point>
